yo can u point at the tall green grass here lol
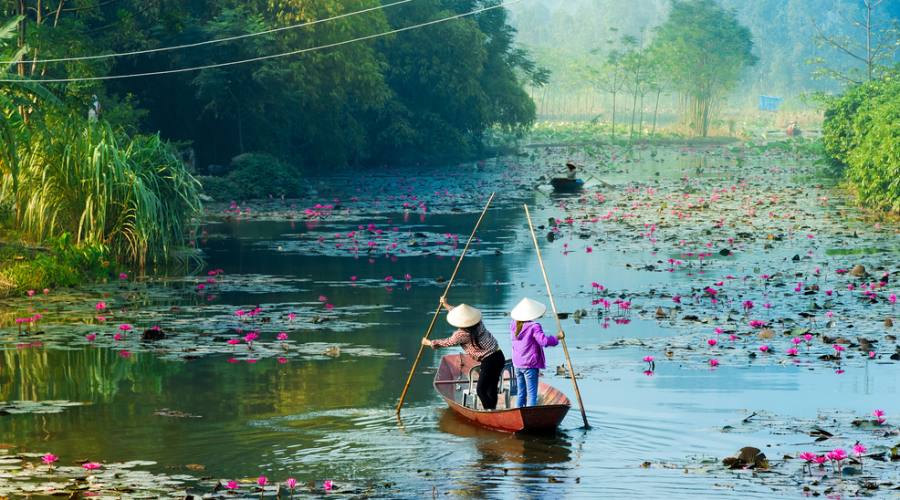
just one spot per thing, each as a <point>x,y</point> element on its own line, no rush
<point>131,196</point>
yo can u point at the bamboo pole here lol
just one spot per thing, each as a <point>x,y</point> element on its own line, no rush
<point>558,322</point>
<point>440,306</point>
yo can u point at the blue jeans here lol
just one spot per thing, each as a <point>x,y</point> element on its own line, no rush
<point>527,379</point>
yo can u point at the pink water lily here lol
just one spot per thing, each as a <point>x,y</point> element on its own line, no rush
<point>91,337</point>
<point>291,483</point>
<point>282,336</point>
<point>328,484</point>
<point>712,342</point>
<point>808,457</point>
<point>764,348</point>
<point>232,485</point>
<point>89,466</point>
<point>793,351</point>
<point>879,416</point>
<point>49,458</point>
<point>262,481</point>
<point>123,276</point>
<point>100,306</point>
<point>125,327</point>
<point>713,362</point>
<point>859,449</point>
<point>291,316</point>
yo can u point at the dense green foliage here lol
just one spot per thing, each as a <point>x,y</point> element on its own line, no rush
<point>427,94</point>
<point>255,175</point>
<point>703,51</point>
<point>862,135</point>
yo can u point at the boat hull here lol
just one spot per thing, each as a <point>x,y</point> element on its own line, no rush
<point>452,378</point>
<point>563,184</point>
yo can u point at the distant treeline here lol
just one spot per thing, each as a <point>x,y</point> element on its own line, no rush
<point>422,95</point>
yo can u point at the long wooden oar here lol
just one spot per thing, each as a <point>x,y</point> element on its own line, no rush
<point>437,312</point>
<point>556,314</point>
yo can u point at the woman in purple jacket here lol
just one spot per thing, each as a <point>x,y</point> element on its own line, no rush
<point>528,342</point>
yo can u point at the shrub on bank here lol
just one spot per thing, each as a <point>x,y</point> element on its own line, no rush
<point>252,176</point>
<point>862,136</point>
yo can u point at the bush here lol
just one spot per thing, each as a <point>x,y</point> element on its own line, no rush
<point>862,136</point>
<point>255,175</point>
<point>63,264</point>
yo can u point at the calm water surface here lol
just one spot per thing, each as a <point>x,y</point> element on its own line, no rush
<point>333,418</point>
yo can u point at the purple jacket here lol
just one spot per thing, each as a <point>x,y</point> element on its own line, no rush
<point>528,345</point>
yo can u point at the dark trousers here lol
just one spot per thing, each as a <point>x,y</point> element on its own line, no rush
<point>489,379</point>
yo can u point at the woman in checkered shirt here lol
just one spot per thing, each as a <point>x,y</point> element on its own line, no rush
<point>476,341</point>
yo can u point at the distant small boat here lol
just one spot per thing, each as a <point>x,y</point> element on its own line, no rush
<point>566,185</point>
<point>452,382</point>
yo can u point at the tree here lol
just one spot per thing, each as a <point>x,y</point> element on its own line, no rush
<point>704,51</point>
<point>872,43</point>
<point>611,78</point>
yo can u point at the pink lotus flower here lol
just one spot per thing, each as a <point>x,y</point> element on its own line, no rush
<point>859,449</point>
<point>124,354</point>
<point>30,293</point>
<point>262,481</point>
<point>838,348</point>
<point>234,341</point>
<point>329,306</point>
<point>713,362</point>
<point>837,454</point>
<point>764,348</point>
<point>879,416</point>
<point>756,323</point>
<point>712,342</point>
<point>808,457</point>
<point>89,466</point>
<point>352,278</point>
<point>389,278</point>
<point>123,276</point>
<point>282,360</point>
<point>49,458</point>
<point>328,485</point>
<point>807,337</point>
<point>797,340</point>
<point>232,485</point>
<point>291,316</point>
<point>676,299</point>
<point>792,351</point>
<point>282,336</point>
<point>100,306</point>
<point>829,292</point>
<point>291,483</point>
<point>91,337</point>
<point>118,336</point>
<point>821,459</point>
<point>323,298</point>
<point>125,327</point>
<point>648,359</point>
<point>892,298</point>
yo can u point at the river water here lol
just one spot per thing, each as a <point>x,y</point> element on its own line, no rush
<point>315,417</point>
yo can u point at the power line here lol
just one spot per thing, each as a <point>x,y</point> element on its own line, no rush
<point>267,57</point>
<point>208,42</point>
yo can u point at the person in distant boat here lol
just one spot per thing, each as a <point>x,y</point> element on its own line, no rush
<point>571,172</point>
<point>528,343</point>
<point>793,129</point>
<point>477,342</point>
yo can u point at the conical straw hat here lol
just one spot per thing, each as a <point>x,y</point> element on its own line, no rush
<point>528,310</point>
<point>464,316</point>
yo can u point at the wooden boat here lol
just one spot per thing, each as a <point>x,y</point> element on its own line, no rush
<point>566,185</point>
<point>452,381</point>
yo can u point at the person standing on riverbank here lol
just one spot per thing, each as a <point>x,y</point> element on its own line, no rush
<point>476,341</point>
<point>528,342</point>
